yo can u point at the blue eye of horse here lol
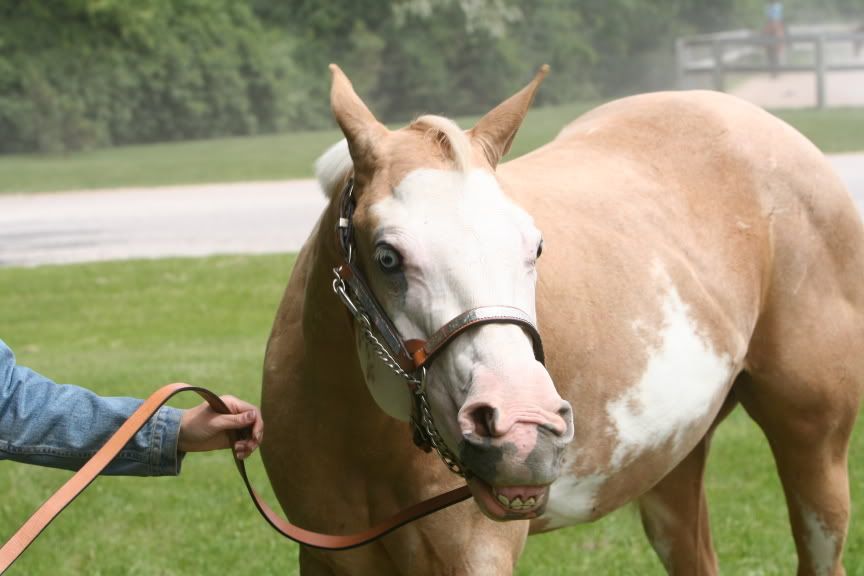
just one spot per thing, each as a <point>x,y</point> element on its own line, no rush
<point>389,260</point>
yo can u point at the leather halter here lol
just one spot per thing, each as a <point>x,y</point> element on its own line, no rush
<point>410,358</point>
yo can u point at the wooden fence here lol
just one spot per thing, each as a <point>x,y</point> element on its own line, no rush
<point>747,52</point>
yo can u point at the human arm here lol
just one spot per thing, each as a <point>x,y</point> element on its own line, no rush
<point>62,426</point>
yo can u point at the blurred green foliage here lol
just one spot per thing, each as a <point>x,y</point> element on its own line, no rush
<point>78,74</point>
<point>82,73</point>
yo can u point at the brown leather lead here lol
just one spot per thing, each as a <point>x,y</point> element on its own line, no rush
<point>52,507</point>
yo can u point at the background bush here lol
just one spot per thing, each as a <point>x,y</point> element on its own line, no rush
<point>85,73</point>
<point>82,73</point>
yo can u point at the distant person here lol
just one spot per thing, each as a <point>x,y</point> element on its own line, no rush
<point>775,30</point>
<point>62,426</point>
<point>859,43</point>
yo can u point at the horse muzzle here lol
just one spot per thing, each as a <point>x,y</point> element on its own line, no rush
<point>506,484</point>
<point>512,447</point>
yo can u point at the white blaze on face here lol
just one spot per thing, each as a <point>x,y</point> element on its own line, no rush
<point>464,244</point>
<point>457,231</point>
<point>682,386</point>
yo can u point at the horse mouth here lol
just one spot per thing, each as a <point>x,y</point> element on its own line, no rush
<point>509,502</point>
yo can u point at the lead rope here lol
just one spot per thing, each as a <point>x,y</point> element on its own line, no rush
<point>51,508</point>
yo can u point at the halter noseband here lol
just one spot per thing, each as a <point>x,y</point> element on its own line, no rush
<point>410,358</point>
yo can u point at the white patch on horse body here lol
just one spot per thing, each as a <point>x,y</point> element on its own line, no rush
<point>821,543</point>
<point>682,382</point>
<point>572,499</point>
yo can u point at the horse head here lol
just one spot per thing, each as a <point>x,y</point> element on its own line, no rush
<point>434,235</point>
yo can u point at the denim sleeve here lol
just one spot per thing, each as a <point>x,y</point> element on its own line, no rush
<point>62,426</point>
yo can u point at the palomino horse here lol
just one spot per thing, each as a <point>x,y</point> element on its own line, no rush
<point>697,253</point>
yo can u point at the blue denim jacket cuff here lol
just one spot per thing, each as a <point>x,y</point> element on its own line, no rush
<point>165,457</point>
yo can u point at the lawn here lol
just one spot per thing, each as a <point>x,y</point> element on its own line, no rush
<point>274,157</point>
<point>129,327</point>
<point>292,155</point>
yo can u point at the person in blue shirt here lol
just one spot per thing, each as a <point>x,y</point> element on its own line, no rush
<point>774,12</point>
<point>62,426</point>
<point>774,28</point>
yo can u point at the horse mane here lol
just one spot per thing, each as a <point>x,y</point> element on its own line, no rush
<point>450,138</point>
<point>334,166</point>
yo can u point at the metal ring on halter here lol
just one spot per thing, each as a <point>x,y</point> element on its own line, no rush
<point>340,290</point>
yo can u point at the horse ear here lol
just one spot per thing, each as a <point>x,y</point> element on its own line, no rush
<point>496,130</point>
<point>362,130</point>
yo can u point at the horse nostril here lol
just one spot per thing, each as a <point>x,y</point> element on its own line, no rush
<point>483,417</point>
<point>566,414</point>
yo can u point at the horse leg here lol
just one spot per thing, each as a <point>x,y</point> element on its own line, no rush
<point>809,437</point>
<point>311,565</point>
<point>675,512</point>
<point>675,517</point>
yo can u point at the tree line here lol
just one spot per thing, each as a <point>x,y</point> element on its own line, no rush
<point>77,74</point>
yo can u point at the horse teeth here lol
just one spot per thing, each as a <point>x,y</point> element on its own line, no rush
<point>516,504</point>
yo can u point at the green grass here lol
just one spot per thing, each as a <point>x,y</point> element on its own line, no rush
<point>291,155</point>
<point>220,160</point>
<point>834,130</point>
<point>127,328</point>
<point>274,157</point>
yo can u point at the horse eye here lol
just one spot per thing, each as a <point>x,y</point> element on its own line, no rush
<point>389,260</point>
<point>540,248</point>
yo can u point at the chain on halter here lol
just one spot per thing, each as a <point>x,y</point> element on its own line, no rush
<point>426,426</point>
<point>366,324</point>
<point>432,435</point>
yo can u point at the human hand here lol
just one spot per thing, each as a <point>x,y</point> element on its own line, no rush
<point>203,429</point>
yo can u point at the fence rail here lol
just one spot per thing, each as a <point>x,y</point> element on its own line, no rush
<point>743,51</point>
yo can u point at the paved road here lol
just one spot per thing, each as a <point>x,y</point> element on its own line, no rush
<point>244,218</point>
